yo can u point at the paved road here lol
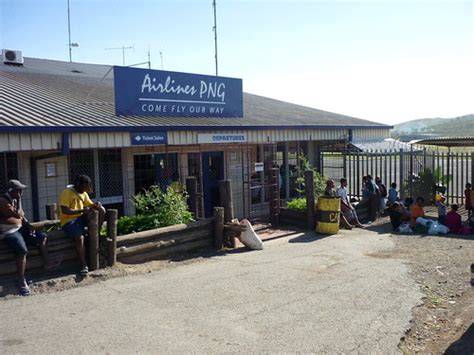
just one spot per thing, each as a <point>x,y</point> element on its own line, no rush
<point>300,294</point>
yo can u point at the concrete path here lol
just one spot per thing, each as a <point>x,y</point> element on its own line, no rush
<point>300,294</point>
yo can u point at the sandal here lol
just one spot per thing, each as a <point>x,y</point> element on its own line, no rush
<point>84,271</point>
<point>24,289</point>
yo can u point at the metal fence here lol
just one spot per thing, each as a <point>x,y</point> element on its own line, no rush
<point>398,167</point>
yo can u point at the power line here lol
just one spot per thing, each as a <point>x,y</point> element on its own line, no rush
<point>123,48</point>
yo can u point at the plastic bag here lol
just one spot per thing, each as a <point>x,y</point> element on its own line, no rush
<point>405,228</point>
<point>436,229</point>
<point>249,238</point>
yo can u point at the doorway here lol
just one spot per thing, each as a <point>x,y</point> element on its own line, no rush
<point>212,172</point>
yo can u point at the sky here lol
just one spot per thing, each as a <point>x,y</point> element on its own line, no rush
<point>385,61</point>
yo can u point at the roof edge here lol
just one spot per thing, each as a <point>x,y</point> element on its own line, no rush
<point>72,129</point>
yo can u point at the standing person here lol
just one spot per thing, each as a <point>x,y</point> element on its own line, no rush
<point>346,207</point>
<point>392,194</point>
<point>74,202</point>
<point>382,190</point>
<point>16,232</point>
<point>468,199</point>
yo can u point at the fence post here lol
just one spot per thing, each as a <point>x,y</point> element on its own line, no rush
<point>111,218</point>
<point>225,193</point>
<point>93,238</point>
<point>51,212</point>
<point>218,227</point>
<point>191,189</point>
<point>402,192</point>
<point>309,190</point>
<point>274,196</point>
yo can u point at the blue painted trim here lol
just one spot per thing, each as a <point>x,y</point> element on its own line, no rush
<point>74,129</point>
<point>65,145</point>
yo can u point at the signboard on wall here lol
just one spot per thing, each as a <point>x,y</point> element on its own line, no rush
<point>205,138</point>
<point>145,92</point>
<point>142,138</point>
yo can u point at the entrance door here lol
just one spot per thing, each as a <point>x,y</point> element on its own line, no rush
<point>212,172</point>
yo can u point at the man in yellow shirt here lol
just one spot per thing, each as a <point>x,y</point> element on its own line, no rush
<point>74,202</point>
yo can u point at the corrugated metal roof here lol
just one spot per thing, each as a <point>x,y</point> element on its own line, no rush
<point>447,141</point>
<point>387,144</point>
<point>45,95</point>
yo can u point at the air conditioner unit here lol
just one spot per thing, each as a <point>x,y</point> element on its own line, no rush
<point>12,57</point>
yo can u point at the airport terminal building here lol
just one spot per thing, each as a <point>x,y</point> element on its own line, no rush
<point>60,119</point>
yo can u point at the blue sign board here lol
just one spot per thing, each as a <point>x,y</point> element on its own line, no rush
<point>144,92</point>
<point>141,138</point>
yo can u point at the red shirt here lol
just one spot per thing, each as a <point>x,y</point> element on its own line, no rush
<point>453,222</point>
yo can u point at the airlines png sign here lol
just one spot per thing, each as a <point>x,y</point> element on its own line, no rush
<point>144,92</point>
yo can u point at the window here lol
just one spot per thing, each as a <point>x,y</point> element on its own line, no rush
<point>107,162</point>
<point>155,169</point>
<point>110,172</point>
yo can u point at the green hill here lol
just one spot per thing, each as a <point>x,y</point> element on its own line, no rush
<point>462,126</point>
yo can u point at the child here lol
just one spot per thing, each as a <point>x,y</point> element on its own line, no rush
<point>440,199</point>
<point>417,210</point>
<point>453,220</point>
<point>468,199</point>
<point>392,194</point>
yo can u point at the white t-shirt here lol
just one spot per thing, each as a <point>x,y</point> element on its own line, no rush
<point>342,193</point>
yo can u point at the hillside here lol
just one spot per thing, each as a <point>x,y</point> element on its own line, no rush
<point>462,126</point>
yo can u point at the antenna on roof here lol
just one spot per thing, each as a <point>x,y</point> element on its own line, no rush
<point>123,48</point>
<point>70,44</point>
<point>161,57</point>
<point>215,32</point>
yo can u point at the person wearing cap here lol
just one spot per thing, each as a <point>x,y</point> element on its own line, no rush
<point>439,202</point>
<point>16,232</point>
<point>74,202</point>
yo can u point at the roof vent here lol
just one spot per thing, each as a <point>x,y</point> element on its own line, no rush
<point>12,57</point>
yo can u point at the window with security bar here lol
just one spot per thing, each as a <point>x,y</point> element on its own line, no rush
<point>155,169</point>
<point>8,169</point>
<point>104,165</point>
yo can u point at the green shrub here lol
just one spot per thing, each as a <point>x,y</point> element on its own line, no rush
<point>298,204</point>
<point>156,209</point>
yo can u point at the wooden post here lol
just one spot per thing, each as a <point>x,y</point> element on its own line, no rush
<point>274,196</point>
<point>111,218</point>
<point>218,227</point>
<point>191,188</point>
<point>93,238</point>
<point>51,212</point>
<point>225,193</point>
<point>309,190</point>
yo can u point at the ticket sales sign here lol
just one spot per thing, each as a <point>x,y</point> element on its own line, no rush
<point>144,92</point>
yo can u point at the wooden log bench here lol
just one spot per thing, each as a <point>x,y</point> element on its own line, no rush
<point>162,242</point>
<point>61,247</point>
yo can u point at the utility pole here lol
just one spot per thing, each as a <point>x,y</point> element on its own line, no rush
<point>215,32</point>
<point>123,48</point>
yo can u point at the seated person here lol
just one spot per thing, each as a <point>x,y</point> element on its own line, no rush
<point>440,199</point>
<point>330,192</point>
<point>416,210</point>
<point>398,215</point>
<point>347,209</point>
<point>453,220</point>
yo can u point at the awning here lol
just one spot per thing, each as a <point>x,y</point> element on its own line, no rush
<point>387,144</point>
<point>448,141</point>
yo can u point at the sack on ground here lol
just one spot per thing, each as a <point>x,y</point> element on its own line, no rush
<point>405,228</point>
<point>249,238</point>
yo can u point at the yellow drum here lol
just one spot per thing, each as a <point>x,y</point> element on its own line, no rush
<point>329,210</point>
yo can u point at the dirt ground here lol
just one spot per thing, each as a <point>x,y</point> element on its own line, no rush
<point>439,264</point>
